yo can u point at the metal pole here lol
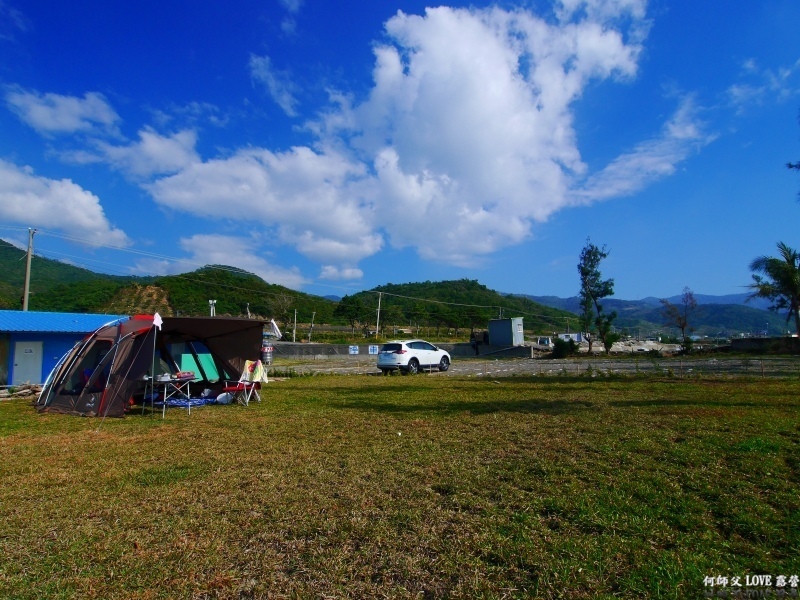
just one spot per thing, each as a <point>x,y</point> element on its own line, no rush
<point>27,289</point>
<point>294,331</point>
<point>310,331</point>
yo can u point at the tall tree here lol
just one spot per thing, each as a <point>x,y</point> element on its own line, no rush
<point>593,289</point>
<point>678,316</point>
<point>352,309</point>
<point>586,318</point>
<point>282,308</point>
<point>778,280</point>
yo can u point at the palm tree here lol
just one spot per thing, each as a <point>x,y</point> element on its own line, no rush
<point>778,280</point>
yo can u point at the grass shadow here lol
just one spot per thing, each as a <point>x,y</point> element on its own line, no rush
<point>698,403</point>
<point>550,407</point>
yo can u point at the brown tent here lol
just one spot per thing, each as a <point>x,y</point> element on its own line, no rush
<point>110,367</point>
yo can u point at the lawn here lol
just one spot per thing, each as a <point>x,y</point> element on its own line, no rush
<point>426,486</point>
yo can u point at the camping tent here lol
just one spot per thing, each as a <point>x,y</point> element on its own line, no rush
<point>110,367</point>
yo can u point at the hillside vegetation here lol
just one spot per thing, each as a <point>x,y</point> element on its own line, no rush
<point>57,286</point>
<point>49,274</point>
<point>454,306</point>
<point>458,304</point>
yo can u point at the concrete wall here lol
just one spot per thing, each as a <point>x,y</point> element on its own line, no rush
<point>322,351</point>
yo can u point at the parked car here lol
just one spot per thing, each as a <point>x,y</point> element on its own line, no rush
<point>409,356</point>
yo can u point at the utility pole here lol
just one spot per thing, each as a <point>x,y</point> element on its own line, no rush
<point>310,331</point>
<point>212,305</point>
<point>294,331</point>
<point>378,322</point>
<point>27,290</point>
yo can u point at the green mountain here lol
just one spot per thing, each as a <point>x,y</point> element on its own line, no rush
<point>57,286</point>
<point>237,291</point>
<point>47,280</point>
<point>462,303</point>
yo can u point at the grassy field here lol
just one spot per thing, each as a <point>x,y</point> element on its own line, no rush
<point>409,487</point>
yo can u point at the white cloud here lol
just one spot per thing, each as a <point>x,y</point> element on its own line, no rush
<point>649,161</point>
<point>153,154</point>
<point>62,205</point>
<point>469,127</point>
<point>289,26</point>
<point>12,21</point>
<point>189,115</point>
<point>57,114</point>
<point>465,140</point>
<point>277,83</point>
<point>293,6</point>
<point>238,252</point>
<point>763,85</point>
<point>313,199</point>
<point>332,272</point>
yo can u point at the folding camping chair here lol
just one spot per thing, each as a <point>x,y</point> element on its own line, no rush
<point>249,384</point>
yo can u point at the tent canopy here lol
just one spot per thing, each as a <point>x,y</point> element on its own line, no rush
<point>109,367</point>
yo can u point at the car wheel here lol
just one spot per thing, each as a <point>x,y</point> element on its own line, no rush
<point>387,371</point>
<point>413,366</point>
<point>444,364</point>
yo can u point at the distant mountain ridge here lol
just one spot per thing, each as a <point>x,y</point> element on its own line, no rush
<point>730,314</point>
<point>742,299</point>
<point>573,304</point>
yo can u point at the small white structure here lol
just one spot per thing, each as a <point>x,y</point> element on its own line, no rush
<point>575,337</point>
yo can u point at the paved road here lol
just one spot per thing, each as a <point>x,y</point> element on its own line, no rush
<point>472,367</point>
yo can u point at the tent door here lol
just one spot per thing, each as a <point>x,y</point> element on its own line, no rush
<point>28,362</point>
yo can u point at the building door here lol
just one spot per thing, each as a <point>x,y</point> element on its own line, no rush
<point>27,362</point>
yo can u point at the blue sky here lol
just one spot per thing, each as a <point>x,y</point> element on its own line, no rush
<point>335,146</point>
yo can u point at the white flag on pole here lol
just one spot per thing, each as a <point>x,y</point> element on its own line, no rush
<point>157,321</point>
<point>276,332</point>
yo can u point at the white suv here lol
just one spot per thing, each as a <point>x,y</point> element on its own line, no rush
<point>409,356</point>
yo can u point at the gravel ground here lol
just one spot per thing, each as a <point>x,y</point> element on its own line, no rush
<point>783,366</point>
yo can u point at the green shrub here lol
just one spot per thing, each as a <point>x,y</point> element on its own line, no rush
<point>563,348</point>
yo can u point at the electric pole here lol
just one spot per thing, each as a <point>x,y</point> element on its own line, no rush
<point>27,289</point>
<point>378,322</point>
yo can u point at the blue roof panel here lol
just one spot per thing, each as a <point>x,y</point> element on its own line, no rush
<point>52,322</point>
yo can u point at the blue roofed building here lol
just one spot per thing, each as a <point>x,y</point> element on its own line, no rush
<point>32,343</point>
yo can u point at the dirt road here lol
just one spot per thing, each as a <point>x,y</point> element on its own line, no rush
<point>783,366</point>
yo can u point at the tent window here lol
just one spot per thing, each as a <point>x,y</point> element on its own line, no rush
<point>88,363</point>
<point>207,367</point>
<point>194,356</point>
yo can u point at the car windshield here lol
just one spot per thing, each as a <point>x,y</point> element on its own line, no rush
<point>391,347</point>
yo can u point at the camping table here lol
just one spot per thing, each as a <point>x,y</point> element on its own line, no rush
<point>173,387</point>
